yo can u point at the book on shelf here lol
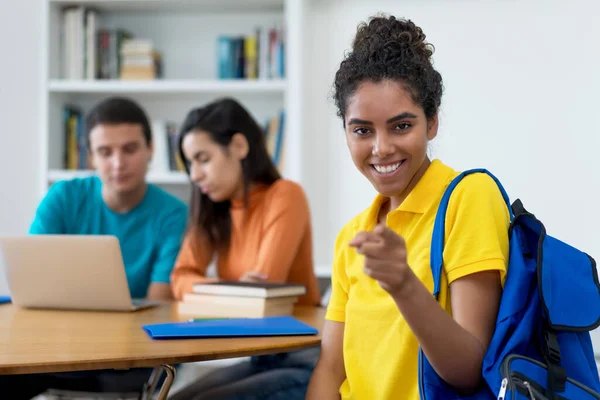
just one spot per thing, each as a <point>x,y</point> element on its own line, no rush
<point>90,51</point>
<point>76,43</point>
<point>108,53</point>
<point>75,154</point>
<point>197,305</point>
<point>274,136</point>
<point>166,148</point>
<point>260,55</point>
<point>249,289</point>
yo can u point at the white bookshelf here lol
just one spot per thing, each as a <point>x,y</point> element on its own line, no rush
<point>185,32</point>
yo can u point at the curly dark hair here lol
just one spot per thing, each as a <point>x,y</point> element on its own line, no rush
<point>394,49</point>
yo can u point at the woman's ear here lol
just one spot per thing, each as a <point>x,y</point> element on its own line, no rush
<point>239,147</point>
<point>432,127</point>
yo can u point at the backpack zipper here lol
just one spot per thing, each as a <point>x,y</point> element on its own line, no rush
<point>532,392</point>
<point>503,387</point>
<point>507,375</point>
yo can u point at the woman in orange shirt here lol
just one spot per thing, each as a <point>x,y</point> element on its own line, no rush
<point>257,226</point>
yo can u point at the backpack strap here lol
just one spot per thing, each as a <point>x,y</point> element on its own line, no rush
<point>437,240</point>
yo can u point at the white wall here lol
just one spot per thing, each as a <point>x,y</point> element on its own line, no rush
<point>19,111</point>
<point>522,82</point>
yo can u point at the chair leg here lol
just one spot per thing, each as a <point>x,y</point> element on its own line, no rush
<point>150,386</point>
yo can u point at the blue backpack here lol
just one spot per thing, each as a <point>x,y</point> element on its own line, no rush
<point>541,347</point>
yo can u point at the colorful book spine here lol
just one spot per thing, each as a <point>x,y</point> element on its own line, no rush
<point>260,55</point>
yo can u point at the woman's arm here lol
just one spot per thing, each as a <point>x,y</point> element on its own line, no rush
<point>190,267</point>
<point>454,346</point>
<point>329,374</point>
<point>285,226</point>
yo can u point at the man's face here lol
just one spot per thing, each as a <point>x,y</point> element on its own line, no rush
<point>120,154</point>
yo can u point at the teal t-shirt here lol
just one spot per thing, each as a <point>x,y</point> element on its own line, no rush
<point>150,234</point>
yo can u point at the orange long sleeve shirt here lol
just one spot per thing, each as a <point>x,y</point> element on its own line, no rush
<point>273,236</point>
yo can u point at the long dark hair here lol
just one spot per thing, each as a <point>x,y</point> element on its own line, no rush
<point>222,119</point>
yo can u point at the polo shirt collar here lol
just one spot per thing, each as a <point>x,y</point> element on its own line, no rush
<point>424,194</point>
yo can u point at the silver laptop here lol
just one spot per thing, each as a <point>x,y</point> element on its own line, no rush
<point>77,272</point>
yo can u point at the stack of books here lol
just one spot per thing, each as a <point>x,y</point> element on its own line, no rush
<point>240,300</point>
<point>139,60</point>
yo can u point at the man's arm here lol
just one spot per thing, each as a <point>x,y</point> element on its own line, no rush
<point>49,217</point>
<point>169,241</point>
<point>159,291</point>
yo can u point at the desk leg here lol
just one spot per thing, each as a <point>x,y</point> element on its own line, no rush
<point>150,386</point>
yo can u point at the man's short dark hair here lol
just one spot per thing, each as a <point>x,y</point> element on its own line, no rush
<point>117,110</point>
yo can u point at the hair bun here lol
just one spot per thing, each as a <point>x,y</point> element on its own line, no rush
<point>389,36</point>
<point>390,48</point>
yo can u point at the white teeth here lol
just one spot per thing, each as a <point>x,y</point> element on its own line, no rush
<point>386,169</point>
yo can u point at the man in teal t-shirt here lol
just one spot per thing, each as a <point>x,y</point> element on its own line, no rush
<point>149,234</point>
<point>148,221</point>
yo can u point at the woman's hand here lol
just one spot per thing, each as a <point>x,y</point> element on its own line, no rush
<point>385,258</point>
<point>254,276</point>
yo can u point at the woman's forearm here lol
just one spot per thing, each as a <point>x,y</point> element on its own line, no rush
<point>323,385</point>
<point>330,372</point>
<point>454,353</point>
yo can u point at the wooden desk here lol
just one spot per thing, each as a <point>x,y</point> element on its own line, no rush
<point>38,341</point>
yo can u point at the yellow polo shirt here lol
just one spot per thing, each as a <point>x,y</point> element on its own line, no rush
<point>380,350</point>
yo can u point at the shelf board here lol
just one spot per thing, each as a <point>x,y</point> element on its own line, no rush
<point>176,5</point>
<point>167,86</point>
<point>152,177</point>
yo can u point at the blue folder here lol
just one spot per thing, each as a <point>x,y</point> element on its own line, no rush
<point>236,327</point>
<point>5,299</point>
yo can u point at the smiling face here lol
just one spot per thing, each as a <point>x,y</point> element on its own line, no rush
<point>387,135</point>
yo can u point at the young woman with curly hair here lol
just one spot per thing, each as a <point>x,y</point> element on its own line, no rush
<point>381,310</point>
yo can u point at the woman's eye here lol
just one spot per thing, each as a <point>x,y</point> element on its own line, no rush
<point>403,126</point>
<point>361,131</point>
